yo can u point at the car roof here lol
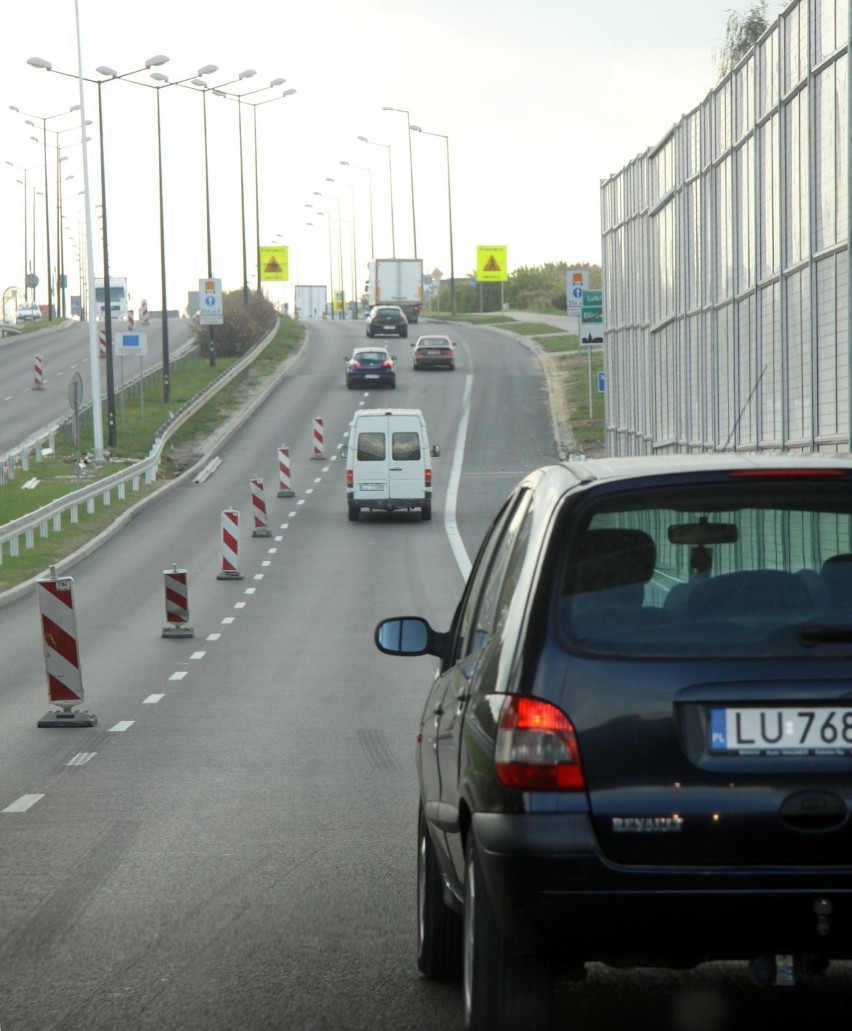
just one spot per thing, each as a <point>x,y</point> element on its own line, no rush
<point>378,349</point>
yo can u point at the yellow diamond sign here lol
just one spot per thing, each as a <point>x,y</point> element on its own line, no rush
<point>491,265</point>
<point>274,264</point>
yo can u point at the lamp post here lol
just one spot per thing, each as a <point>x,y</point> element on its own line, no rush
<point>205,89</point>
<point>402,110</point>
<point>364,168</point>
<point>354,245</point>
<point>240,99</point>
<point>330,259</point>
<point>446,139</point>
<point>387,147</point>
<point>23,182</point>
<point>44,119</point>
<point>336,200</point>
<point>255,106</point>
<point>107,73</point>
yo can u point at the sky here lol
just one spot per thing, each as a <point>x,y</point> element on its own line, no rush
<point>530,105</point>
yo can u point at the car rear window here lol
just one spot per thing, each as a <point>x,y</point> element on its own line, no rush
<point>405,446</point>
<point>738,568</point>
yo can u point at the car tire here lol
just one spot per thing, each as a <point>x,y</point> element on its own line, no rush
<point>439,928</point>
<point>502,991</point>
<point>354,514</point>
<point>426,511</point>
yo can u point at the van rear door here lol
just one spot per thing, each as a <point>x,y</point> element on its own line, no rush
<point>370,461</point>
<point>408,458</point>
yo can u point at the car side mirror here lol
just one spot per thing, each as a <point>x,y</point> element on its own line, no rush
<point>343,450</point>
<point>409,635</point>
<point>435,450</point>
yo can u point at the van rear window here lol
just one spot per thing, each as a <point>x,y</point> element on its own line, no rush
<point>371,447</point>
<point>405,446</point>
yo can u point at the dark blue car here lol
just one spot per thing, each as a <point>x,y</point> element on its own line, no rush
<point>638,746</point>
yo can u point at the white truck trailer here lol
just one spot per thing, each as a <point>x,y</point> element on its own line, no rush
<point>310,302</point>
<point>397,281</point>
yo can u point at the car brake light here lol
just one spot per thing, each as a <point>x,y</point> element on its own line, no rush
<point>427,475</point>
<point>788,474</point>
<point>354,365</point>
<point>536,748</point>
<point>350,478</point>
<point>387,365</point>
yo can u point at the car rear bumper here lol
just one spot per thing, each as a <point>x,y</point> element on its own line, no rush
<point>552,889</point>
<point>386,504</point>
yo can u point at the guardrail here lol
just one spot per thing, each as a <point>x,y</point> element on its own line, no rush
<point>49,517</point>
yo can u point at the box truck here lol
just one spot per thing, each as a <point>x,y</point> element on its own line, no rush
<point>397,281</point>
<point>310,302</point>
<point>119,299</point>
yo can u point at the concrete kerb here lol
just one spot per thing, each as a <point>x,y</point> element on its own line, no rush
<point>210,445</point>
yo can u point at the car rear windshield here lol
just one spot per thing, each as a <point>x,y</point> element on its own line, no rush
<point>738,568</point>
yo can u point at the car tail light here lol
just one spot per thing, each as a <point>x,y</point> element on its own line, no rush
<point>387,365</point>
<point>350,479</point>
<point>354,365</point>
<point>427,476</point>
<point>536,748</point>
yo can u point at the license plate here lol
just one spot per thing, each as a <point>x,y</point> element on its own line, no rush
<point>795,731</point>
<point>371,375</point>
<point>371,486</point>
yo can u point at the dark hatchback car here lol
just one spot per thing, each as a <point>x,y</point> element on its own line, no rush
<point>434,352</point>
<point>387,320</point>
<point>370,367</point>
<point>638,747</point>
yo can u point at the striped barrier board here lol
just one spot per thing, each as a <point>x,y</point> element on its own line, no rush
<point>284,489</point>
<point>61,654</point>
<point>230,546</point>
<point>177,604</point>
<point>258,504</point>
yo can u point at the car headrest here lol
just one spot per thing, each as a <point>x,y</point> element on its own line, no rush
<point>611,558</point>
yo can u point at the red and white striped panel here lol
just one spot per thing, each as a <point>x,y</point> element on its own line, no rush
<point>59,631</point>
<point>230,540</point>
<point>143,313</point>
<point>284,489</point>
<point>258,505</point>
<point>38,372</point>
<point>177,595</point>
<point>318,437</point>
<point>102,342</point>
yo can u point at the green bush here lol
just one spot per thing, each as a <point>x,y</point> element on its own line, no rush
<point>244,324</point>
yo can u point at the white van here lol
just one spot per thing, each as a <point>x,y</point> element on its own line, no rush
<point>388,463</point>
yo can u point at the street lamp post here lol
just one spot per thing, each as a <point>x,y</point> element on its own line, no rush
<point>402,110</point>
<point>23,182</point>
<point>108,74</point>
<point>364,168</point>
<point>354,245</point>
<point>255,106</point>
<point>387,147</point>
<point>446,139</point>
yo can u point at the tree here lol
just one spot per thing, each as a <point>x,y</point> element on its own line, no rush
<point>741,33</point>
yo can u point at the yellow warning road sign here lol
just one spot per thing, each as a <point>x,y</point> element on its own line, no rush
<point>491,265</point>
<point>274,264</point>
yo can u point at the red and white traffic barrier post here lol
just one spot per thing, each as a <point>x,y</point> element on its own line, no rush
<point>258,506</point>
<point>143,313</point>
<point>129,321</point>
<point>318,438</point>
<point>102,341</point>
<point>61,654</point>
<point>230,546</point>
<point>177,604</point>
<point>284,489</point>
<point>38,372</point>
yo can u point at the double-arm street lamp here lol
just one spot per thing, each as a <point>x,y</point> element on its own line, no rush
<point>387,147</point>
<point>402,111</point>
<point>108,74</point>
<point>446,139</point>
<point>44,119</point>
<point>351,189</point>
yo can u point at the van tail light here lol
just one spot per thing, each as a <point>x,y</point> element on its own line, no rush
<point>350,479</point>
<point>427,476</point>
<point>536,748</point>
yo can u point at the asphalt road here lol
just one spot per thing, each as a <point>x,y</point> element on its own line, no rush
<point>64,350</point>
<point>233,845</point>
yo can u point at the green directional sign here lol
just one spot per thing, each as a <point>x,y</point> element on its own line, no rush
<point>592,306</point>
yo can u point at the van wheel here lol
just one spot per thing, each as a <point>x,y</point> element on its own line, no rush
<point>354,513</point>
<point>426,512</point>
<point>502,991</point>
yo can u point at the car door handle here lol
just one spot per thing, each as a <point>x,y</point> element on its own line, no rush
<point>396,468</point>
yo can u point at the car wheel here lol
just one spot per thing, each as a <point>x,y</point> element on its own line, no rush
<point>426,511</point>
<point>439,928</point>
<point>354,513</point>
<point>502,991</point>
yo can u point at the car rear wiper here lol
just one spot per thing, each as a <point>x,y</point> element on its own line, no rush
<point>825,633</point>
